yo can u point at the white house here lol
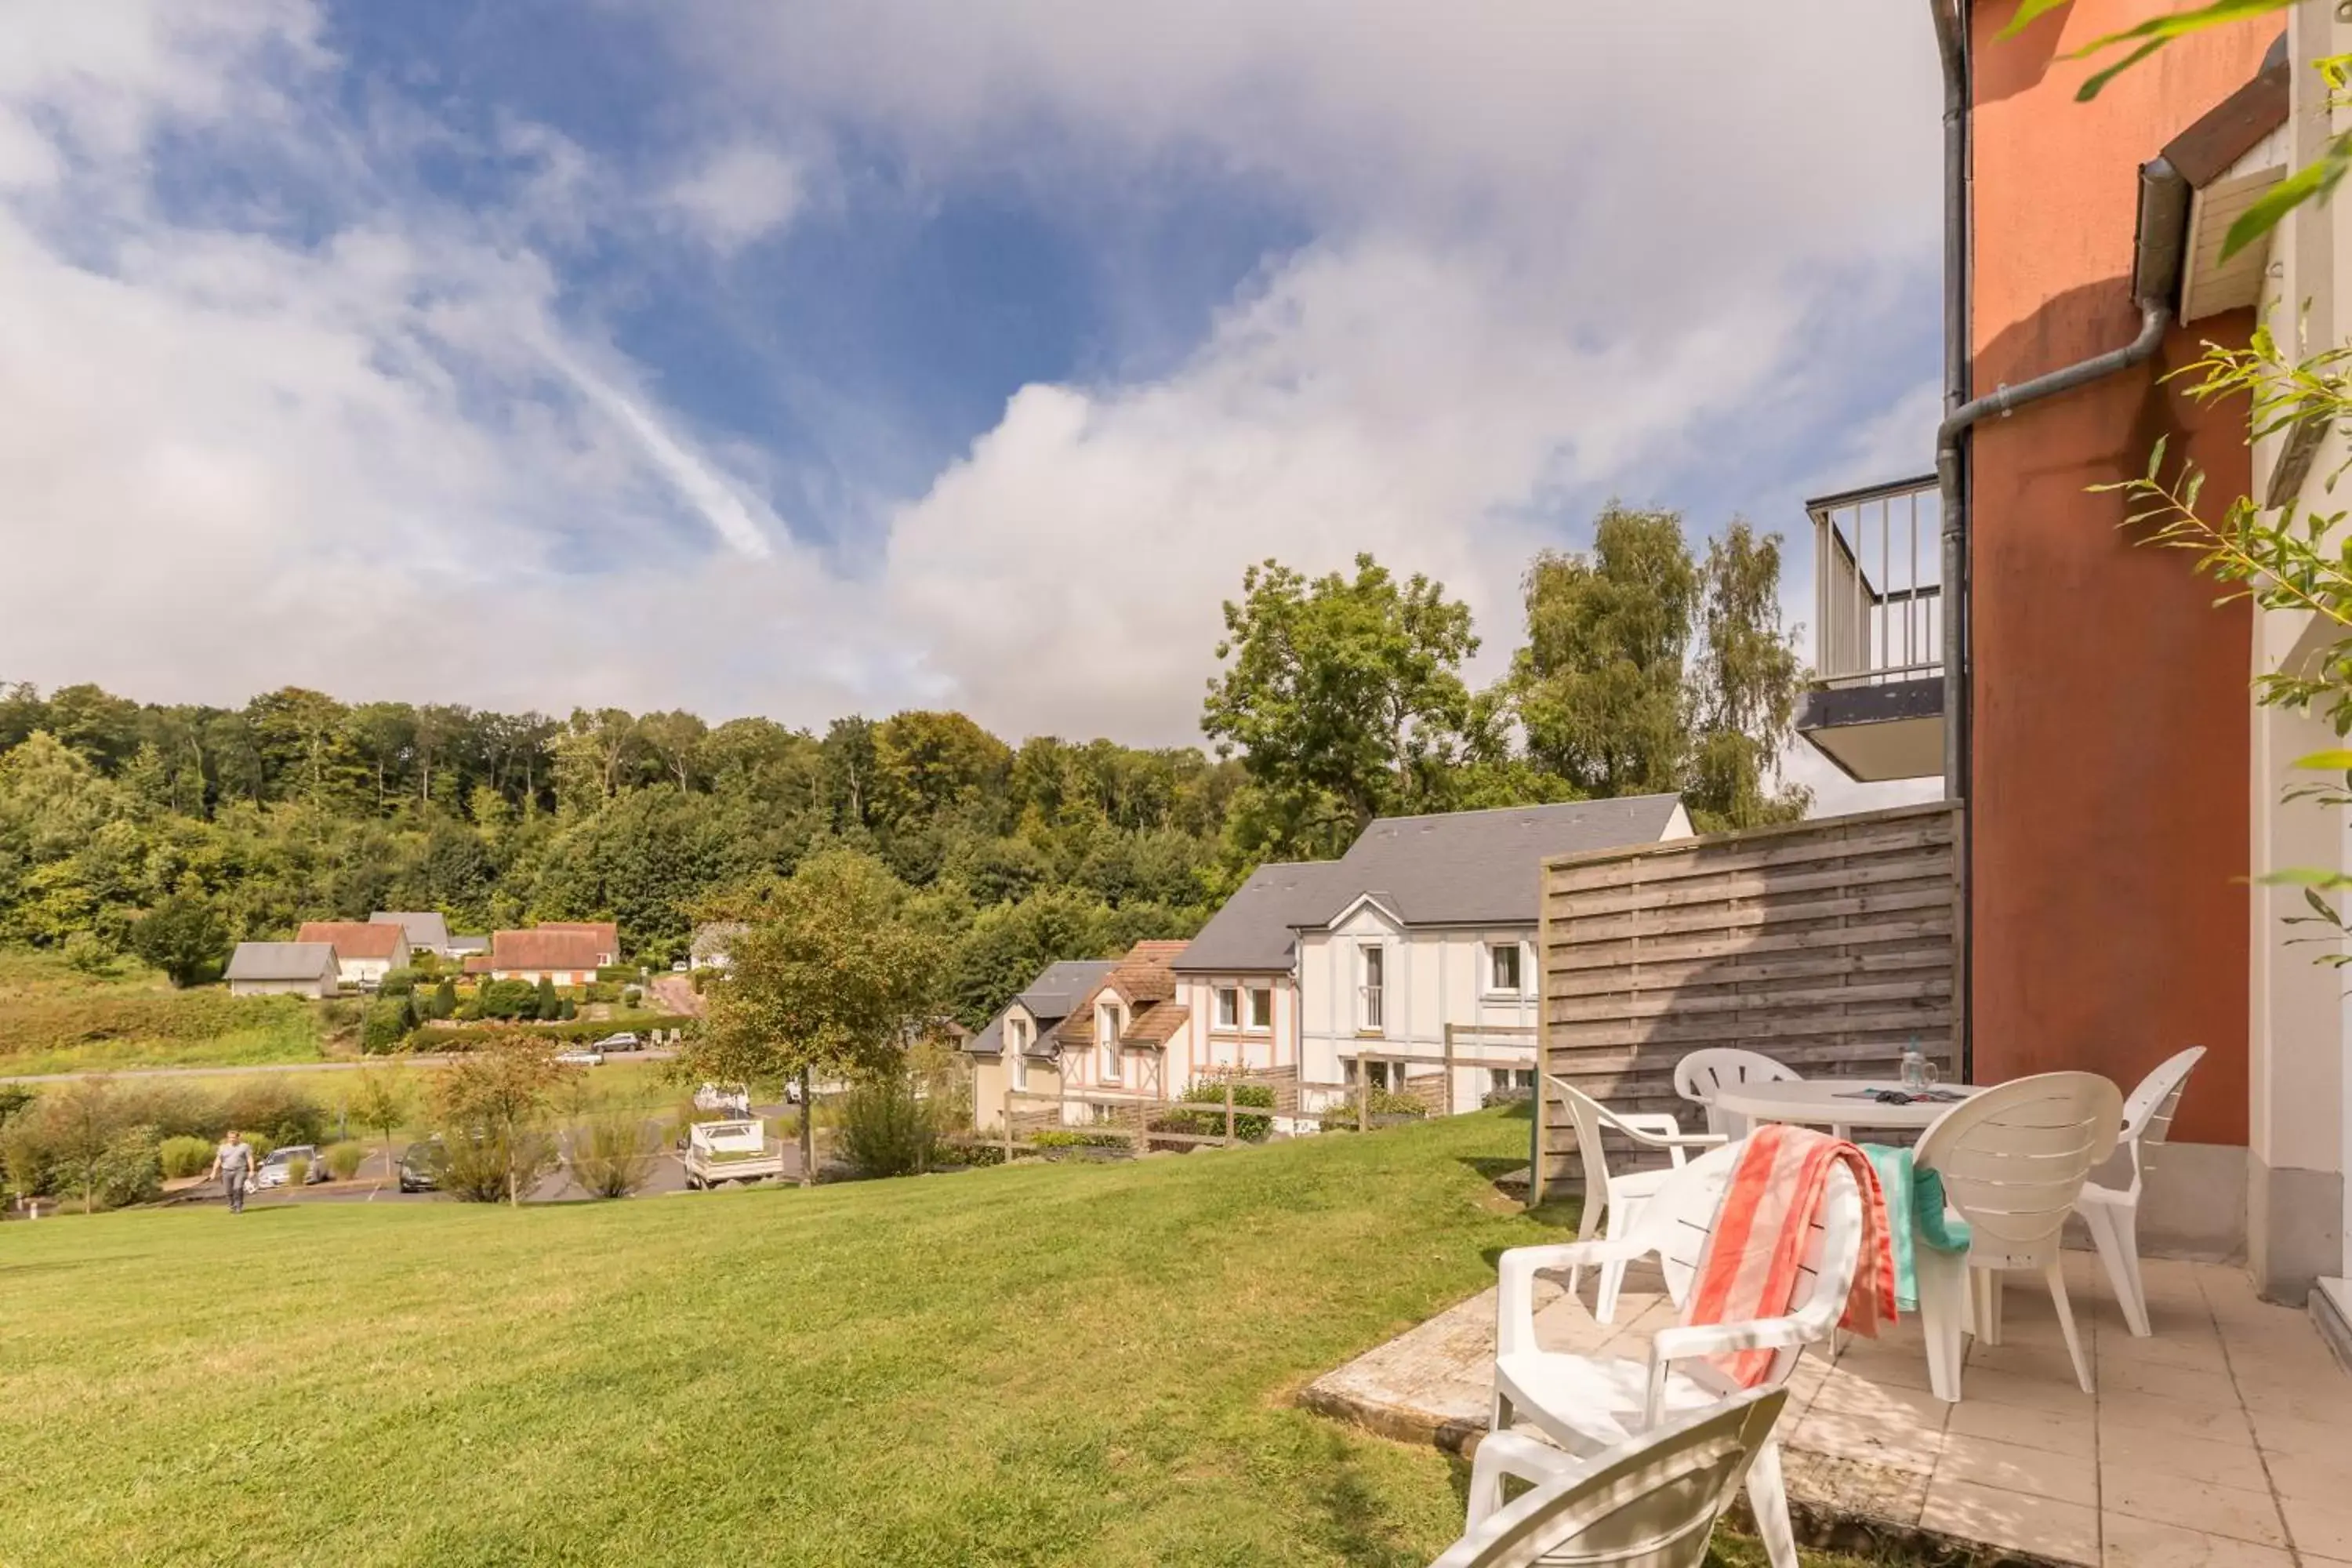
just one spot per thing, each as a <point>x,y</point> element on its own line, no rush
<point>1021,1047</point>
<point>283,969</point>
<point>365,950</point>
<point>1426,922</point>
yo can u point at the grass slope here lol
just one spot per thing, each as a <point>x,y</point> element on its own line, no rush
<point>54,1019</point>
<point>1067,1363</point>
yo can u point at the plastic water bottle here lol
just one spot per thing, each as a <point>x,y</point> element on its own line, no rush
<point>1915,1070</point>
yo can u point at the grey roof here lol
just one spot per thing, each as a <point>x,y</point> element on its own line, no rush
<point>282,960</point>
<point>1455,868</point>
<point>462,943</point>
<point>1478,868</point>
<point>1252,932</point>
<point>425,928</point>
<point>1049,998</point>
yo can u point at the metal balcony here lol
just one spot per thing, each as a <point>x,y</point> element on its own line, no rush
<point>1875,704</point>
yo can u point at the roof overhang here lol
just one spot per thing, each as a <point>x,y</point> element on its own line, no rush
<point>1361,900</point>
<point>2232,157</point>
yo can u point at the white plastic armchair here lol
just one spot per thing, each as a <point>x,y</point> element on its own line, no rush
<point>2111,1214</point>
<point>1650,1502</point>
<point>2012,1161</point>
<point>1583,1402</point>
<point>1698,1074</point>
<point>1612,1201</point>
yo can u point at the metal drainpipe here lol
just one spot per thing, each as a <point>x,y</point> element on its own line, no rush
<point>2155,277</point>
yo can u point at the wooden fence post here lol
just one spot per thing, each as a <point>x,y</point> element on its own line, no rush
<point>1449,1069</point>
<point>1008,1123</point>
<point>1363,1094</point>
<point>1229,1113</point>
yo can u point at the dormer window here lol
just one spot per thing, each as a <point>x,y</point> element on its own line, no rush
<point>1110,1022</point>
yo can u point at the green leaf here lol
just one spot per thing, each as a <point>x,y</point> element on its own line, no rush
<point>2027,13</point>
<point>2098,80</point>
<point>2332,762</point>
<point>2315,178</point>
<point>2305,876</point>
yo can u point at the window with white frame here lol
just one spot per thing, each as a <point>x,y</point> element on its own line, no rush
<point>1372,989</point>
<point>1110,1022</point>
<point>1229,1008</point>
<point>1019,1069</point>
<point>1261,1009</point>
<point>1505,971</point>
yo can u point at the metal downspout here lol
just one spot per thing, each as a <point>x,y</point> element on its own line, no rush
<point>1951,48</point>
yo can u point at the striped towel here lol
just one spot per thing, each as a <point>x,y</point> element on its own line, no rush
<point>1749,1270</point>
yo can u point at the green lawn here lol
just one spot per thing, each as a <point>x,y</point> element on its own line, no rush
<point>54,1019</point>
<point>1076,1363</point>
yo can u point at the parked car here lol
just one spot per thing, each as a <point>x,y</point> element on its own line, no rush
<point>277,1167</point>
<point>581,1056</point>
<point>680,967</point>
<point>420,1166</point>
<point>740,1151</point>
<point>625,1041</point>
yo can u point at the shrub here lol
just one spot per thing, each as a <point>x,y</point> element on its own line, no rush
<point>1391,1102</point>
<point>183,1157</point>
<point>130,1172</point>
<point>970,1152</point>
<point>273,1108</point>
<point>182,936</point>
<point>613,1154</point>
<point>1211,1123</point>
<point>397,983</point>
<point>600,991</point>
<point>569,1010</point>
<point>86,952</point>
<point>344,1160</point>
<point>173,1110</point>
<point>1072,1138</point>
<point>425,961</point>
<point>443,1000</point>
<point>888,1130</point>
<point>389,1019</point>
<point>617,973</point>
<point>474,1166</point>
<point>631,996</point>
<point>297,1171</point>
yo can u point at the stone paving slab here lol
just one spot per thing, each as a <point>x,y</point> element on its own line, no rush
<point>2225,1438</point>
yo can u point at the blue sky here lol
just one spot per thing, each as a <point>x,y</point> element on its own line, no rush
<point>792,356</point>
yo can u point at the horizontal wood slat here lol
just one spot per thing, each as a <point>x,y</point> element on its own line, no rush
<point>1827,945</point>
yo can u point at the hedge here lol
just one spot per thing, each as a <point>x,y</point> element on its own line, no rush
<point>432,1039</point>
<point>62,1023</point>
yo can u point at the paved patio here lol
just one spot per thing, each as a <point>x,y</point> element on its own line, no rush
<point>2225,1439</point>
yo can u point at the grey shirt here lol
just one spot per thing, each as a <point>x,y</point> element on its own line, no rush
<point>235,1159</point>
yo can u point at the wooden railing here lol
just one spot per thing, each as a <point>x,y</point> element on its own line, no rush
<point>1827,945</point>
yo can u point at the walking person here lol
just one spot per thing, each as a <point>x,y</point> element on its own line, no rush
<point>232,1163</point>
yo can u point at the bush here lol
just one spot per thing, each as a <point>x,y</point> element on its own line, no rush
<point>344,1160</point>
<point>617,973</point>
<point>1211,1123</point>
<point>886,1130</point>
<point>297,1171</point>
<point>130,1170</point>
<point>442,1001</point>
<point>506,999</point>
<point>613,1154</point>
<point>397,983</point>
<point>389,1019</point>
<point>1391,1102</point>
<point>631,996</point>
<point>970,1152</point>
<point>600,991</point>
<point>474,1166</point>
<point>86,952</point>
<point>183,1157</point>
<point>568,1011</point>
<point>273,1108</point>
<point>1071,1138</point>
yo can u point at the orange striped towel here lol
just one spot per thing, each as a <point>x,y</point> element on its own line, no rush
<point>1749,1268</point>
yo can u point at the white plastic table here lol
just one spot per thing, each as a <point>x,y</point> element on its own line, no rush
<point>1831,1103</point>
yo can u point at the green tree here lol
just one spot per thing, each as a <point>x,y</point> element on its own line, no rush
<point>445,1000</point>
<point>493,1102</point>
<point>1598,685</point>
<point>832,979</point>
<point>549,1005</point>
<point>1744,695</point>
<point>926,763</point>
<point>1344,696</point>
<point>676,740</point>
<point>382,1102</point>
<point>182,936</point>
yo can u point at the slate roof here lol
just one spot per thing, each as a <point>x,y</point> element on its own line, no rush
<point>354,938</point>
<point>1456,867</point>
<point>1049,998</point>
<point>425,928</point>
<point>282,960</point>
<point>1252,933</point>
<point>548,947</point>
<point>461,943</point>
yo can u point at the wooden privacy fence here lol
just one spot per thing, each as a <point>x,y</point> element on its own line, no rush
<point>1827,945</point>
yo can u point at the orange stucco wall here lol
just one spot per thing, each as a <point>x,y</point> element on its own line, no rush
<point>2108,789</point>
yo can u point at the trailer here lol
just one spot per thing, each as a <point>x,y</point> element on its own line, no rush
<point>738,1150</point>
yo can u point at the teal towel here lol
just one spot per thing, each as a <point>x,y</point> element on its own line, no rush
<point>1915,1216</point>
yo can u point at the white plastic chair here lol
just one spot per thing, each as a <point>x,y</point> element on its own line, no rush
<point>2012,1160</point>
<point>1618,1198</point>
<point>1587,1402</point>
<point>2112,1214</point>
<point>1651,1503</point>
<point>1698,1074</point>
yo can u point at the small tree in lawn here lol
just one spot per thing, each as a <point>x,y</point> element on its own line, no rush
<point>829,980</point>
<point>82,1123</point>
<point>182,936</point>
<point>382,1103</point>
<point>445,1000</point>
<point>496,1099</point>
<point>550,1005</point>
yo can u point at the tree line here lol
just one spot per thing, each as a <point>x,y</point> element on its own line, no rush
<point>1645,667</point>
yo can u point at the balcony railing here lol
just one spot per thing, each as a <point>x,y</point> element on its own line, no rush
<point>1878,583</point>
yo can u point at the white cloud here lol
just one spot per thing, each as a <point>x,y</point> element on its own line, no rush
<point>742,193</point>
<point>1559,249</point>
